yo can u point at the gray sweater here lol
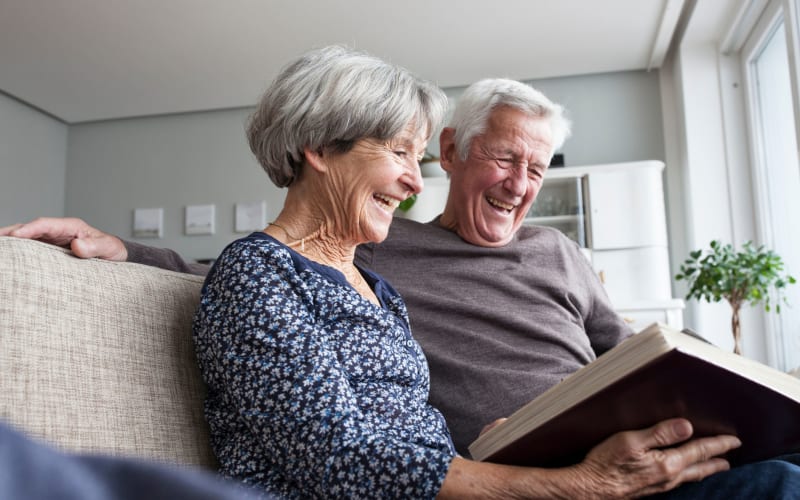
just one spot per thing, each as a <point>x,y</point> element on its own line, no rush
<point>498,326</point>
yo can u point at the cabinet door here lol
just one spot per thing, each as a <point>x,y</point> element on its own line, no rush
<point>634,274</point>
<point>626,208</point>
<point>559,204</point>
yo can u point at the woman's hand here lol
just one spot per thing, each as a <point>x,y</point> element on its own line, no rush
<point>649,461</point>
<point>626,465</point>
<point>84,240</point>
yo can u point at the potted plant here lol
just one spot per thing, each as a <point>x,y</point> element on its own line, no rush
<point>406,204</point>
<point>429,167</point>
<point>746,276</point>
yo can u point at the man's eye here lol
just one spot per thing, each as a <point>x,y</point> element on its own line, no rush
<point>400,153</point>
<point>534,173</point>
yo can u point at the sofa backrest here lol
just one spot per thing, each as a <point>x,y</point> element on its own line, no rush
<point>98,356</point>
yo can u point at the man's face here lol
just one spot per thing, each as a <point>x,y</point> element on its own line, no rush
<point>492,190</point>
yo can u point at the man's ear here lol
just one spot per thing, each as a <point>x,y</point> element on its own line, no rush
<point>316,159</point>
<point>447,148</point>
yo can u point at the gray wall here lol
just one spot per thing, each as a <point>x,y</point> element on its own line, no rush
<point>616,117</point>
<point>114,167</point>
<point>33,151</point>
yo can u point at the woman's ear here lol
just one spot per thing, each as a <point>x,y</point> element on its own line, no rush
<point>316,159</point>
<point>447,148</point>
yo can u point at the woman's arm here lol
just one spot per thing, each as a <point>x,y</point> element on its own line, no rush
<point>628,464</point>
<point>275,366</point>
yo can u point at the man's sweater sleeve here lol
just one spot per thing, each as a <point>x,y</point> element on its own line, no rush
<point>163,258</point>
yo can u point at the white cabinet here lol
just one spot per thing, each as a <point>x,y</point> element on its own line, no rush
<point>626,207</point>
<point>617,213</point>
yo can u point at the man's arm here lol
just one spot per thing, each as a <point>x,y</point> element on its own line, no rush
<point>86,242</point>
<point>163,258</point>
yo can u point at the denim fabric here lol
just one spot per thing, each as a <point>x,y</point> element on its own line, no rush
<point>776,479</point>
<point>32,471</point>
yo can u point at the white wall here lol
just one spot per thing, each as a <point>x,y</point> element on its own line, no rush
<point>707,183</point>
<point>33,149</point>
<point>116,166</point>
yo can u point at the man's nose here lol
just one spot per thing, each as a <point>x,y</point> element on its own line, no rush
<point>517,181</point>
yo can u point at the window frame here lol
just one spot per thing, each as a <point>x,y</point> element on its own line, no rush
<point>775,13</point>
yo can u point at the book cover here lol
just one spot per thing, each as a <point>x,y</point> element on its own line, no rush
<point>657,374</point>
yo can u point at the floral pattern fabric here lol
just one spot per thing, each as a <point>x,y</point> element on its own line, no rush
<point>314,391</point>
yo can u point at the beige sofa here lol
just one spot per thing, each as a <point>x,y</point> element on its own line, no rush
<point>98,356</point>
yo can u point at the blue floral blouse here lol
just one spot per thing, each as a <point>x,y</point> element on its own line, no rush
<point>314,391</point>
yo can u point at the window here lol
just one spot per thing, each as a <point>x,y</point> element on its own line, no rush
<point>776,170</point>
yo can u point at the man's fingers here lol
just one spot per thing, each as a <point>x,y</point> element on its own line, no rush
<point>493,425</point>
<point>8,230</point>
<point>45,229</point>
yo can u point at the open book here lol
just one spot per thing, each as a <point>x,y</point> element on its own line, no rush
<point>657,374</point>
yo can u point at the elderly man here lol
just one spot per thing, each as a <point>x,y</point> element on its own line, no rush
<point>502,311</point>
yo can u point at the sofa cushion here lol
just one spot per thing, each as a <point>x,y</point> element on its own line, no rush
<point>98,356</point>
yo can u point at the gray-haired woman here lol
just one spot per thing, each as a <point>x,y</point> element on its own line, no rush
<point>316,387</point>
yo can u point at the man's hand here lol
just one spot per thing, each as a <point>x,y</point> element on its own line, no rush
<point>645,462</point>
<point>491,426</point>
<point>74,234</point>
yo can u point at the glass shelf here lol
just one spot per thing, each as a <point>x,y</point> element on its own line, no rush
<point>559,204</point>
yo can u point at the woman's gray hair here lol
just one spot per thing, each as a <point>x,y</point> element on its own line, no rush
<point>329,99</point>
<point>471,115</point>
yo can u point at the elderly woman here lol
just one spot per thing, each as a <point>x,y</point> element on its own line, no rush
<point>316,387</point>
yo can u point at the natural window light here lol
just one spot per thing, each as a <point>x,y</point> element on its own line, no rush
<point>776,173</point>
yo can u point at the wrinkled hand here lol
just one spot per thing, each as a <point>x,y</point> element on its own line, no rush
<point>74,234</point>
<point>638,463</point>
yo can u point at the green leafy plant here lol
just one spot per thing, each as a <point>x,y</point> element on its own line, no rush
<point>746,276</point>
<point>406,204</point>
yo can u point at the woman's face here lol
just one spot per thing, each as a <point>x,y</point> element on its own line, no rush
<point>368,182</point>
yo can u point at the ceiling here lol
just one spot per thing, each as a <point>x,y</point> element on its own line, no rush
<point>86,60</point>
